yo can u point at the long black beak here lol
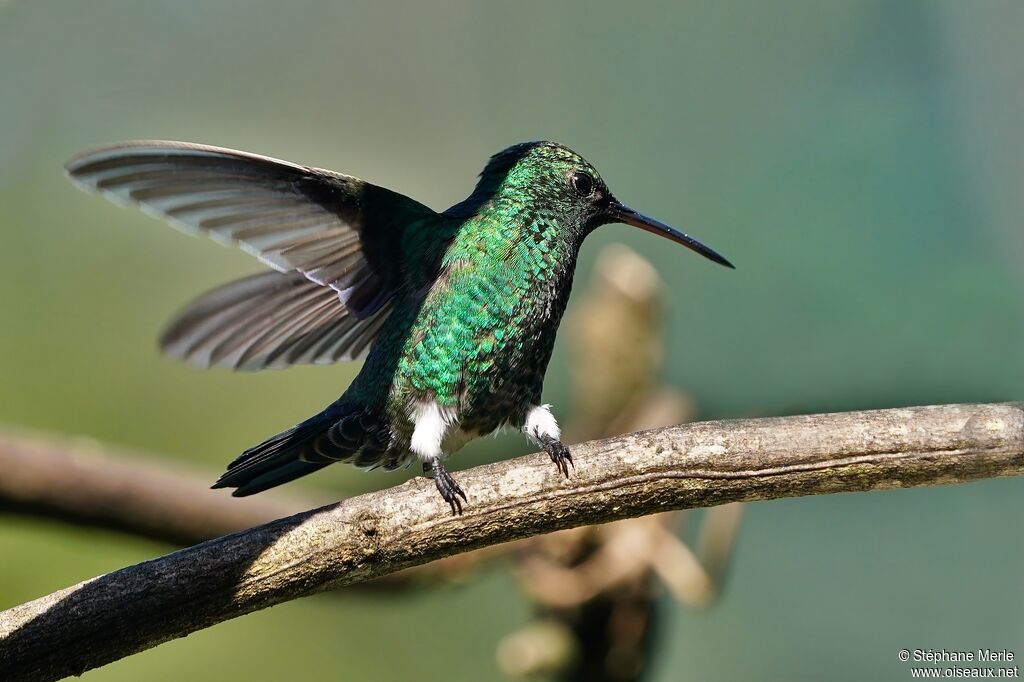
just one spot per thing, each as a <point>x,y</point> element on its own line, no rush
<point>624,214</point>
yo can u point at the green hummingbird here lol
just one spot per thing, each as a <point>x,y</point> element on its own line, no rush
<point>455,313</point>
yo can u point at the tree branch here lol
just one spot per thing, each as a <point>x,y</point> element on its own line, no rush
<point>696,465</point>
<point>81,482</point>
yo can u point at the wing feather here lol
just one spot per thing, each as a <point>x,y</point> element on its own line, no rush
<point>267,321</point>
<point>333,240</point>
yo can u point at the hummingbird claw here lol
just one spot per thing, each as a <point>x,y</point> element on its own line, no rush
<point>450,490</point>
<point>559,454</point>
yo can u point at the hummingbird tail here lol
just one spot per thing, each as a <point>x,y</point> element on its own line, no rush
<point>301,450</point>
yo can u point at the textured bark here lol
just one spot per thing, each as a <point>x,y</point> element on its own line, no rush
<point>696,465</point>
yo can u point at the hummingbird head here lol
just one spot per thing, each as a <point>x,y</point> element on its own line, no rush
<point>549,178</point>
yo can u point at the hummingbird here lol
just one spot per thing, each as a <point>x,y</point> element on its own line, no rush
<point>455,313</point>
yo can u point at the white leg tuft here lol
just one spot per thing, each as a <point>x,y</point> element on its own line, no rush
<point>431,424</point>
<point>541,425</point>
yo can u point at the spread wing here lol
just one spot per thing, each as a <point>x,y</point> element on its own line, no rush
<point>337,239</point>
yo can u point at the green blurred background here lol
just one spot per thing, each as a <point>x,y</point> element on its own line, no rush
<point>860,162</point>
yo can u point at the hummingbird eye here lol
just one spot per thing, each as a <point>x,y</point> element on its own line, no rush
<point>582,183</point>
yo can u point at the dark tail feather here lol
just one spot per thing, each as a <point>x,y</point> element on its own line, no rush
<point>296,452</point>
<point>287,471</point>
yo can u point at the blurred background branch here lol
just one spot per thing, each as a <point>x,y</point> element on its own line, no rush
<point>83,482</point>
<point>599,584</point>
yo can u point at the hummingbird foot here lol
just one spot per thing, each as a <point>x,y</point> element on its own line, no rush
<point>541,428</point>
<point>450,490</point>
<point>558,452</point>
